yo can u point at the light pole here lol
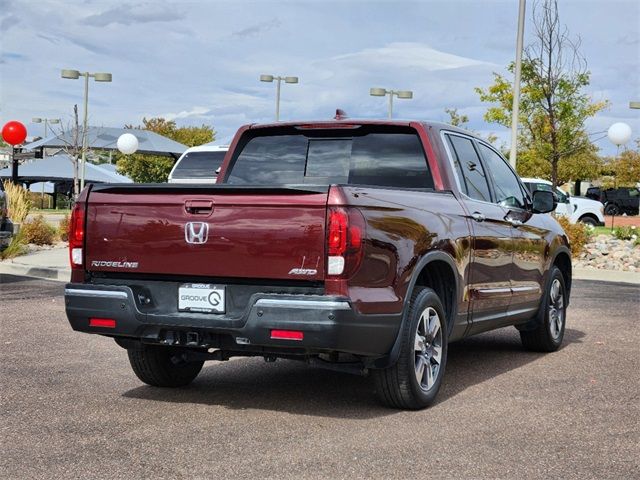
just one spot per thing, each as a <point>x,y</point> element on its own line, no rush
<point>98,77</point>
<point>46,122</point>
<point>278,79</point>
<point>381,92</point>
<point>515,108</point>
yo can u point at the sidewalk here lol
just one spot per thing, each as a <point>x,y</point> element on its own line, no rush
<point>54,265</point>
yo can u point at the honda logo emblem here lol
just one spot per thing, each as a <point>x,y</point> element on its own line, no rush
<point>196,232</point>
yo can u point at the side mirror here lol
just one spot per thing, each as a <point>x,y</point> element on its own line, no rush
<point>544,202</point>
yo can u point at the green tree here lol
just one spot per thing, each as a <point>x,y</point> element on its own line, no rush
<point>552,139</point>
<point>456,119</point>
<point>153,168</point>
<point>626,167</point>
<point>460,120</point>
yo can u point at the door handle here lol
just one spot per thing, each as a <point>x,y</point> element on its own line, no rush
<point>198,207</point>
<point>478,217</point>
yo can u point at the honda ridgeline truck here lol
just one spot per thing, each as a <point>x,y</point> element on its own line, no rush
<point>362,246</point>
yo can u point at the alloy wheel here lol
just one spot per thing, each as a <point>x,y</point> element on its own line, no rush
<point>556,309</point>
<point>428,348</point>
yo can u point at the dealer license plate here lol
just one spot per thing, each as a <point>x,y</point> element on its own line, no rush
<point>201,297</point>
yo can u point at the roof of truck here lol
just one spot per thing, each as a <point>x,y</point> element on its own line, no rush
<point>332,123</point>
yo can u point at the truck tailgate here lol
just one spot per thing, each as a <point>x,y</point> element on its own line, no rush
<point>217,231</point>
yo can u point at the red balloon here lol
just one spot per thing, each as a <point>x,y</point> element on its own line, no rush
<point>14,133</point>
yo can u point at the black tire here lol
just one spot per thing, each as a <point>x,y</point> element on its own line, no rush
<point>397,386</point>
<point>550,324</point>
<point>611,209</point>
<point>589,221</point>
<point>162,366</point>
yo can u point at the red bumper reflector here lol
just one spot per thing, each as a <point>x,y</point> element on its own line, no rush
<point>287,335</point>
<point>102,322</point>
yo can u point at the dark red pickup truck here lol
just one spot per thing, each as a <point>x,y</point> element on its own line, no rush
<point>361,246</point>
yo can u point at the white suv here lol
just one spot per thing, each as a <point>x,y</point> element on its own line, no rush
<point>578,209</point>
<point>199,164</point>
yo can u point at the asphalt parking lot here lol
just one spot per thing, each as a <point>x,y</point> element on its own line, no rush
<point>72,408</point>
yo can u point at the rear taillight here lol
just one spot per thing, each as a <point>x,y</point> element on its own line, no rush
<point>76,236</point>
<point>345,233</point>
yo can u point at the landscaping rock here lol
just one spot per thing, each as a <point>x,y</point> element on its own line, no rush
<point>605,252</point>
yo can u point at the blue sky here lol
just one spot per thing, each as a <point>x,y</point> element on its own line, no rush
<point>199,61</point>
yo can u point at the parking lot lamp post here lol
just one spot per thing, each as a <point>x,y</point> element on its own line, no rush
<point>515,107</point>
<point>278,79</point>
<point>98,77</point>
<point>381,92</point>
<point>46,122</point>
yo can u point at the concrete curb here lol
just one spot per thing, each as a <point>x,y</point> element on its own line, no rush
<point>606,275</point>
<point>48,273</point>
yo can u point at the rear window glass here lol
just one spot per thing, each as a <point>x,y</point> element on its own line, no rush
<point>199,165</point>
<point>388,159</point>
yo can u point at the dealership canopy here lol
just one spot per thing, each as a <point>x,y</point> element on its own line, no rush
<point>60,168</point>
<point>106,138</point>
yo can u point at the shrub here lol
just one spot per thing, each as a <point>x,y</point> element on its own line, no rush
<point>18,202</point>
<point>578,234</point>
<point>15,248</point>
<point>625,233</point>
<point>38,231</point>
<point>63,229</point>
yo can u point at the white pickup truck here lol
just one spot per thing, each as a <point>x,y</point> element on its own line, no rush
<point>199,164</point>
<point>578,209</point>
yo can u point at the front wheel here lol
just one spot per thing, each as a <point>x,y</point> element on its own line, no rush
<point>549,332</point>
<point>162,366</point>
<point>611,209</point>
<point>414,380</point>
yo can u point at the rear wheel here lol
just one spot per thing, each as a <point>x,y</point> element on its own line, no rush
<point>162,366</point>
<point>414,380</point>
<point>589,221</point>
<point>549,332</point>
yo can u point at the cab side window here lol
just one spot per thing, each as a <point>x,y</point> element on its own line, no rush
<point>507,187</point>
<point>469,168</point>
<point>562,197</point>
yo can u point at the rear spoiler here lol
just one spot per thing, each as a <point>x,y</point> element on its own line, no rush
<point>207,188</point>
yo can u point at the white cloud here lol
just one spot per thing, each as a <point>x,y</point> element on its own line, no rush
<point>194,112</point>
<point>130,14</point>
<point>404,55</point>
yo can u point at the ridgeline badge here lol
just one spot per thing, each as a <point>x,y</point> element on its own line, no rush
<point>113,264</point>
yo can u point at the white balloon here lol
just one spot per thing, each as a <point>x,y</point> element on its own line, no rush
<point>619,133</point>
<point>127,143</point>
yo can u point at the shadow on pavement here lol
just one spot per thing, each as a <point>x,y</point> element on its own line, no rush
<point>5,278</point>
<point>293,387</point>
<point>286,386</point>
<point>18,288</point>
<point>482,357</point>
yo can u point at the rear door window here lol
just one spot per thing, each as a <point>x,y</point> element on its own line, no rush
<point>366,157</point>
<point>199,165</point>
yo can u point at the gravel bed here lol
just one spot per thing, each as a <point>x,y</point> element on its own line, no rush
<point>605,252</point>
